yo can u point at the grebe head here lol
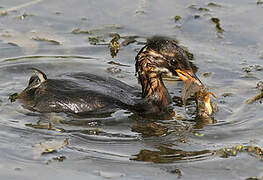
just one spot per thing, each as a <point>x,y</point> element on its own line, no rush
<point>164,57</point>
<point>34,82</point>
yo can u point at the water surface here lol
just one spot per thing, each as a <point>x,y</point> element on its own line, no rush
<point>73,36</point>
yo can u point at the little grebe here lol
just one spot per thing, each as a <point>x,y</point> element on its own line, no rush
<point>82,93</point>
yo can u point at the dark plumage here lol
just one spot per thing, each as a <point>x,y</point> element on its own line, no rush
<point>83,93</point>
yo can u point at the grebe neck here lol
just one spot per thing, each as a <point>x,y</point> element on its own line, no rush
<point>153,88</point>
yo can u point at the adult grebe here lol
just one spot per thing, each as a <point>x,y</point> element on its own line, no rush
<point>82,93</point>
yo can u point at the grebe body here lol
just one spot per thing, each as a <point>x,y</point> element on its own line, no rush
<point>83,93</point>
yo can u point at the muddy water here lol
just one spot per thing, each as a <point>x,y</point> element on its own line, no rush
<point>73,36</point>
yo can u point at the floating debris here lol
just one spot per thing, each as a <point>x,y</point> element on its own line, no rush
<point>177,18</point>
<point>257,97</point>
<point>227,152</point>
<point>84,18</point>
<point>48,126</point>
<point>193,87</point>
<point>95,40</point>
<point>23,16</point>
<point>58,13</point>
<point>79,31</point>
<point>251,150</point>
<point>114,45</point>
<point>258,67</point>
<point>129,40</point>
<point>106,29</point>
<point>251,68</point>
<point>110,175</point>
<point>255,151</point>
<point>37,38</point>
<point>3,13</point>
<point>199,134</point>
<point>220,30</point>
<point>110,27</point>
<point>197,16</point>
<point>207,74</point>
<point>141,8</point>
<point>260,85</point>
<point>118,64</point>
<point>212,4</point>
<point>247,69</point>
<point>227,94</point>
<point>95,131</point>
<point>201,9</point>
<point>59,158</point>
<point>140,12</point>
<point>113,70</point>
<point>47,147</point>
<point>59,130</point>
<point>259,2</point>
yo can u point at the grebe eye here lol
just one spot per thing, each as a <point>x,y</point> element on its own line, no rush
<point>173,61</point>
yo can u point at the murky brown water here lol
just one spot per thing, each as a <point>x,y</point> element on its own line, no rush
<point>73,36</point>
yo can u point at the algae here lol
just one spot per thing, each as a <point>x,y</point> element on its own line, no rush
<point>220,30</point>
<point>52,41</point>
<point>114,45</point>
<point>213,4</point>
<point>79,31</point>
<point>177,18</point>
<point>96,40</point>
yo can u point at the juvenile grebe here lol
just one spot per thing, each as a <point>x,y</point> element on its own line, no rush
<point>82,93</point>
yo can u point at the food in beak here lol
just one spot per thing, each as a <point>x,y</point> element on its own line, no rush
<point>205,107</point>
<point>190,88</point>
<point>185,75</point>
<point>193,86</point>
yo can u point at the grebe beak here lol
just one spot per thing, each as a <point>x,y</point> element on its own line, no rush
<point>186,75</point>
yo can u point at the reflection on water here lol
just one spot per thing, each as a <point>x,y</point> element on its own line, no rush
<point>150,129</point>
<point>135,135</point>
<point>168,155</point>
<point>226,40</point>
